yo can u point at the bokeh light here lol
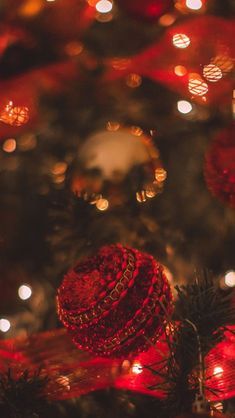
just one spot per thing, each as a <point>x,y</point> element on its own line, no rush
<point>136,368</point>
<point>5,325</point>
<point>180,40</point>
<point>180,70</point>
<point>229,279</point>
<point>9,145</point>
<point>104,6</point>
<point>184,106</point>
<point>218,371</point>
<point>24,292</point>
<point>167,20</point>
<point>212,73</point>
<point>194,4</point>
<point>102,204</point>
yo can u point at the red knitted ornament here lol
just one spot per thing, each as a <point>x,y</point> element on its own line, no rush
<point>115,302</point>
<point>220,166</point>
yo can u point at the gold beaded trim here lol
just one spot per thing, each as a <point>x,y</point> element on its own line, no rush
<point>106,303</point>
<point>136,324</point>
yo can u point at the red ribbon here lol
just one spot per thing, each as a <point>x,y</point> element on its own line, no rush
<point>73,372</point>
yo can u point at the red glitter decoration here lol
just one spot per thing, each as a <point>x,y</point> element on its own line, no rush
<point>115,302</point>
<point>220,166</point>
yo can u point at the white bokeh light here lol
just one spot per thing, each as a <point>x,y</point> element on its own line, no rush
<point>184,106</point>
<point>24,292</point>
<point>229,278</point>
<point>104,6</point>
<point>194,4</point>
<point>5,325</point>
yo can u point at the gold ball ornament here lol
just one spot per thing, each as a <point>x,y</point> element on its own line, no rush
<point>117,163</point>
<point>212,73</point>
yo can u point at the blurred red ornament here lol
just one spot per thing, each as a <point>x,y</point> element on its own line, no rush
<point>145,9</point>
<point>220,166</point>
<point>204,415</point>
<point>115,302</point>
<point>14,115</point>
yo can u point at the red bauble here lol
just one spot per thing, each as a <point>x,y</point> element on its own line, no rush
<point>220,166</point>
<point>145,9</point>
<point>115,302</point>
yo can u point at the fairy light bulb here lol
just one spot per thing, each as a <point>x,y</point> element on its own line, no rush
<point>194,4</point>
<point>184,106</point>
<point>5,325</point>
<point>137,368</point>
<point>24,292</point>
<point>180,40</point>
<point>104,6</point>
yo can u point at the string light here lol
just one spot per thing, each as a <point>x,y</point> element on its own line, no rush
<point>104,6</point>
<point>180,40</point>
<point>229,279</point>
<point>137,368</point>
<point>167,19</point>
<point>24,292</point>
<point>184,106</point>
<point>194,4</point>
<point>5,325</point>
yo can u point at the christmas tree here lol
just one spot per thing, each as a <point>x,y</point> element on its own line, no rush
<point>117,233</point>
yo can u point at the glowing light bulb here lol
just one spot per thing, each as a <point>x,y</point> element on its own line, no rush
<point>5,325</point>
<point>184,106</point>
<point>218,371</point>
<point>137,368</point>
<point>194,4</point>
<point>24,292</point>
<point>180,40</point>
<point>229,279</point>
<point>104,6</point>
